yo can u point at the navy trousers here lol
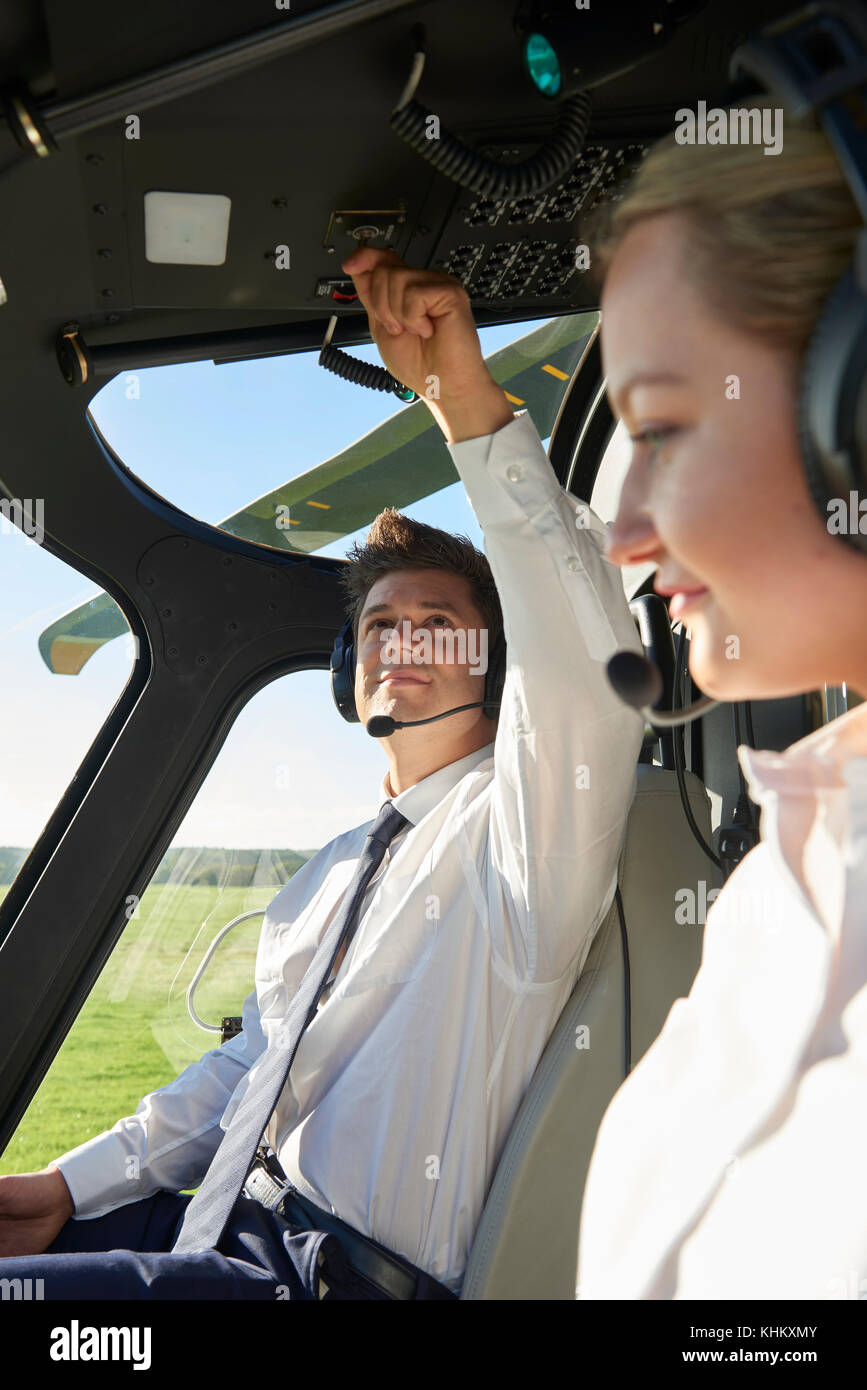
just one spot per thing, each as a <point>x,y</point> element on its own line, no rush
<point>127,1254</point>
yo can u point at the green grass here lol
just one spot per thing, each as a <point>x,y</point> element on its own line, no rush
<point>133,1034</point>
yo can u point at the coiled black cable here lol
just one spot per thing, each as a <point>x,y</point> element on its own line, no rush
<point>333,359</point>
<point>457,161</point>
<point>472,170</point>
<point>452,158</point>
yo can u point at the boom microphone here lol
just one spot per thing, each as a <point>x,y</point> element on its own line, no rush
<point>382,725</point>
<point>638,682</point>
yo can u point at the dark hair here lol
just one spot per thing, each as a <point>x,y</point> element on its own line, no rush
<point>396,542</point>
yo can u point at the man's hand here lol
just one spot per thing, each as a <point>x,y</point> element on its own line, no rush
<point>422,323</point>
<point>33,1209</point>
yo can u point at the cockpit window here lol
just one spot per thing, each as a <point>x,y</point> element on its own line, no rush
<point>225,444</point>
<point>49,714</point>
<point>286,454</point>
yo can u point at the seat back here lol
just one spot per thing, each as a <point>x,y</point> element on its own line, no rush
<point>526,1244</point>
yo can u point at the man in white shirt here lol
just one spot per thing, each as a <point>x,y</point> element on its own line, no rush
<point>471,935</point>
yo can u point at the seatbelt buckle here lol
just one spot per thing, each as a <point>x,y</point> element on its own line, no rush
<point>267,1157</point>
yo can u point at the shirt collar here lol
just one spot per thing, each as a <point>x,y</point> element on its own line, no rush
<point>832,756</point>
<point>417,801</point>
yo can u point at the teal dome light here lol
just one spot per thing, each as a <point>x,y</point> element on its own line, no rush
<point>542,64</point>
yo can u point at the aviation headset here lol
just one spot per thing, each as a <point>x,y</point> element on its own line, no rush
<point>795,58</point>
<point>343,675</point>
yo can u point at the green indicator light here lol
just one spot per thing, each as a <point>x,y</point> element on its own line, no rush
<point>406,394</point>
<point>542,64</point>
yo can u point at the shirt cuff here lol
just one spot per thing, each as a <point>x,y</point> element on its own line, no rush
<point>102,1174</point>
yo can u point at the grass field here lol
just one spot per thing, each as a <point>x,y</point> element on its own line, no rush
<point>134,1033</point>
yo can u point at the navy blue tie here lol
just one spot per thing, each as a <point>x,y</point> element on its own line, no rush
<point>207,1214</point>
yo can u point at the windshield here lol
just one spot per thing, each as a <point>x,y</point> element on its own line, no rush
<point>291,774</point>
<point>283,443</point>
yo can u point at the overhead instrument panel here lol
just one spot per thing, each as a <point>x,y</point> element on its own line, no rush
<point>528,249</point>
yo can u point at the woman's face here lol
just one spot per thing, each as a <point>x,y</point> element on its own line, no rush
<point>717,496</point>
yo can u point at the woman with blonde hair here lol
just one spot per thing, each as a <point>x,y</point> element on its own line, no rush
<point>730,1164</point>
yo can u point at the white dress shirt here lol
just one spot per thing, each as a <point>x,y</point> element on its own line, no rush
<point>731,1162</point>
<point>406,1082</point>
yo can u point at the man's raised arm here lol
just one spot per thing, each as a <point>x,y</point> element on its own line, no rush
<point>566,747</point>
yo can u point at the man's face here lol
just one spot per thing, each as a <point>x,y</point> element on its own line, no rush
<point>422,649</point>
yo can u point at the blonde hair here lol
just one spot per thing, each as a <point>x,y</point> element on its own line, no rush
<point>769,234</point>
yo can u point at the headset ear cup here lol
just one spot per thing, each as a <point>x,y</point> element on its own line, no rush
<point>495,677</point>
<point>832,403</point>
<point>343,673</point>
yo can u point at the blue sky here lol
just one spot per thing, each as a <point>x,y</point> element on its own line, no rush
<point>292,773</point>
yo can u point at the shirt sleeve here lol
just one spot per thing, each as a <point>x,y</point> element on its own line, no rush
<point>566,747</point>
<point>170,1140</point>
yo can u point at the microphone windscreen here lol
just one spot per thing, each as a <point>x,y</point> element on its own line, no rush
<point>636,680</point>
<point>380,726</point>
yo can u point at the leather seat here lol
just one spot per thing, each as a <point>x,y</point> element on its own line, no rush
<point>526,1244</point>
